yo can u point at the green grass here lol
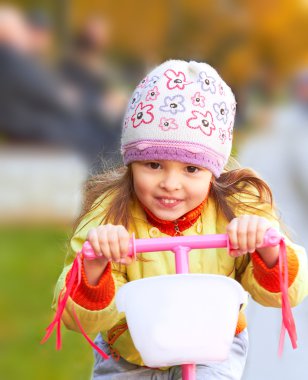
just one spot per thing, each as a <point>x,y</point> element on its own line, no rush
<point>31,260</point>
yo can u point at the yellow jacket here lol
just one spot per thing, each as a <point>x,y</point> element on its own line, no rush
<point>110,322</point>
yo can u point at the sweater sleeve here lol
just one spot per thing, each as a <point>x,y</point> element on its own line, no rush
<point>267,277</point>
<point>93,297</point>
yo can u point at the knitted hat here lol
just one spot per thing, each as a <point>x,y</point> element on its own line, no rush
<point>181,111</point>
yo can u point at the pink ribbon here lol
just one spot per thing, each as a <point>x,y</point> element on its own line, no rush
<point>75,273</point>
<point>288,323</point>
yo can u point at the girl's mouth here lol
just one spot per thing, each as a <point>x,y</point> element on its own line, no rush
<point>168,202</point>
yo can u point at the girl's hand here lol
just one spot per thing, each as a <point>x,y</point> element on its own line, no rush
<point>246,234</point>
<point>110,243</point>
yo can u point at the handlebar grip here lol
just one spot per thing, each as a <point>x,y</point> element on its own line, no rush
<point>271,238</point>
<point>89,254</point>
<point>88,251</point>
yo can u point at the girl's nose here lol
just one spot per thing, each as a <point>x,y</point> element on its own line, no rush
<point>171,182</point>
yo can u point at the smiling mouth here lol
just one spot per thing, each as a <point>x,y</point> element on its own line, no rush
<point>169,202</point>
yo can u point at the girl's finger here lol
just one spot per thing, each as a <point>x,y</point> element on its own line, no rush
<point>123,241</point>
<point>126,260</point>
<point>252,233</point>
<point>262,227</point>
<point>114,245</point>
<point>235,253</point>
<point>93,240</point>
<point>242,233</point>
<point>232,233</point>
<point>103,242</point>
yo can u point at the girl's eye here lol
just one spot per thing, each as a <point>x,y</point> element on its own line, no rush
<point>153,165</point>
<point>192,169</point>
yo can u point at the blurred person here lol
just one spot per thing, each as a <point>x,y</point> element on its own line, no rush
<point>40,118</point>
<point>278,152</point>
<point>35,106</point>
<point>32,105</point>
<point>41,33</point>
<point>39,127</point>
<point>87,71</point>
<point>13,29</point>
<point>30,34</point>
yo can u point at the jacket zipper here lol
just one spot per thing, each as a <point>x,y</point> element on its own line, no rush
<point>176,228</point>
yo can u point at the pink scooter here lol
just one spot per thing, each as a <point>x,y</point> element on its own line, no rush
<point>181,246</point>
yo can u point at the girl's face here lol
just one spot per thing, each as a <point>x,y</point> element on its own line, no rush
<point>169,189</point>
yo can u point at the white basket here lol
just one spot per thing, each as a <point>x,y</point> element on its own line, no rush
<point>182,318</point>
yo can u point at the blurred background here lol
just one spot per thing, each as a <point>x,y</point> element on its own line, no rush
<point>67,69</point>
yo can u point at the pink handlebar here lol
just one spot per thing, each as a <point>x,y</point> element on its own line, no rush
<point>271,238</point>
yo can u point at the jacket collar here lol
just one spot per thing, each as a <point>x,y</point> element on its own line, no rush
<point>174,227</point>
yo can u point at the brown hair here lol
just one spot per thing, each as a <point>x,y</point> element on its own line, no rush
<point>225,191</point>
<point>237,181</point>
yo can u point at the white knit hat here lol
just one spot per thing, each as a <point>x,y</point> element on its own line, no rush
<point>181,111</point>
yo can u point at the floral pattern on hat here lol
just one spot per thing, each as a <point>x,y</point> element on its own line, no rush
<point>166,124</point>
<point>144,83</point>
<point>221,89</point>
<point>173,104</point>
<point>152,81</point>
<point>202,121</point>
<point>125,123</point>
<point>142,115</point>
<point>207,82</point>
<point>176,80</point>
<point>198,100</point>
<point>152,94</point>
<point>180,107</point>
<point>221,111</point>
<point>222,135</point>
<point>135,100</point>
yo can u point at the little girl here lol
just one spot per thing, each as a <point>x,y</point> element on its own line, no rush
<point>176,142</point>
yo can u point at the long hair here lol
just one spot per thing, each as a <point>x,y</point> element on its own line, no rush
<point>235,181</point>
<point>118,183</point>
